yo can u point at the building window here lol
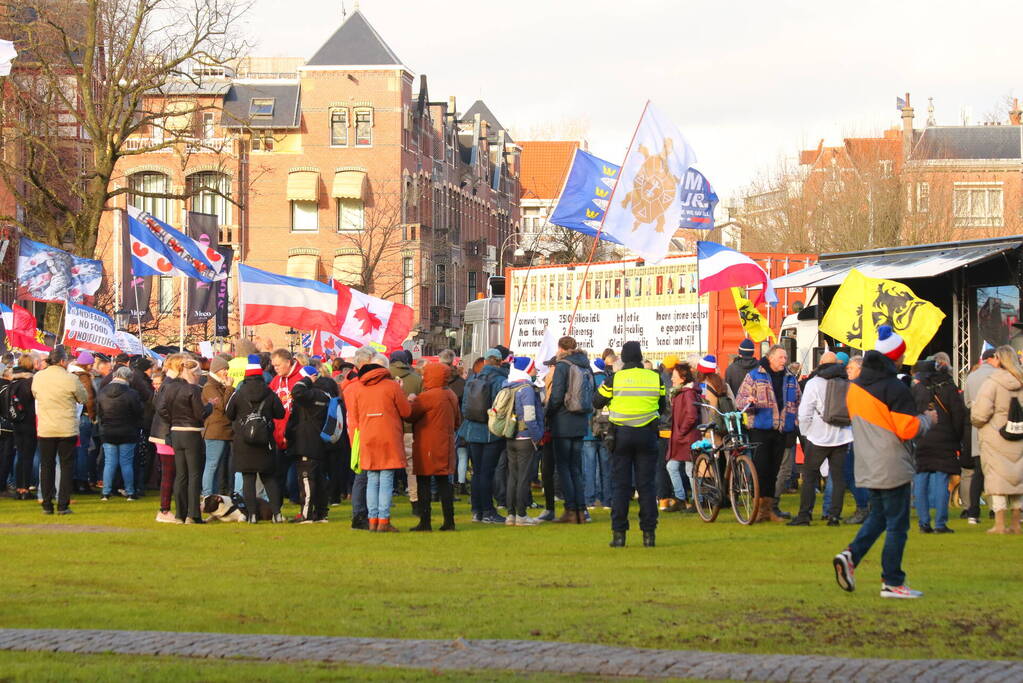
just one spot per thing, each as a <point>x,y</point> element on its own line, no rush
<point>154,183</point>
<point>166,295</point>
<point>339,128</point>
<point>348,269</point>
<point>261,142</point>
<point>210,192</point>
<point>261,106</point>
<point>304,216</point>
<point>977,205</point>
<point>209,130</point>
<point>408,274</point>
<point>304,265</point>
<point>363,127</point>
<point>440,289</point>
<point>350,215</point>
<point>473,285</point>
<point>923,197</point>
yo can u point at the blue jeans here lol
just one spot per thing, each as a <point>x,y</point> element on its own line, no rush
<point>215,449</point>
<point>379,491</point>
<point>359,508</point>
<point>889,514</point>
<point>119,455</point>
<point>568,455</point>
<point>861,496</point>
<point>596,473</point>
<point>82,466</point>
<point>463,463</point>
<point>675,473</point>
<point>931,491</point>
<point>484,464</point>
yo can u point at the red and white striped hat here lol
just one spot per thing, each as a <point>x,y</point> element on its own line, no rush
<point>889,342</point>
<point>253,368</point>
<point>707,364</point>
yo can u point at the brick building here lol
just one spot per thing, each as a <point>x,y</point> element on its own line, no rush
<point>340,167</point>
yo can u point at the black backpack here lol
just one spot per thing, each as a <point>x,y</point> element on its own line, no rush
<point>1013,429</point>
<point>14,410</point>
<point>478,399</point>
<point>255,429</point>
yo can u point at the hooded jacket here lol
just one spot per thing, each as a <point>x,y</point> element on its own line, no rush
<point>85,377</point>
<point>57,395</point>
<point>884,418</point>
<point>144,388</point>
<point>811,409</point>
<point>684,419</point>
<point>937,451</point>
<point>410,380</point>
<point>564,424</point>
<point>528,407</point>
<point>435,417</point>
<point>119,410</point>
<point>477,432</point>
<point>246,399</point>
<point>282,386</point>
<point>1001,460</point>
<point>21,386</point>
<point>218,426</point>
<point>376,409</point>
<point>758,391</point>
<point>308,415</point>
<point>737,371</point>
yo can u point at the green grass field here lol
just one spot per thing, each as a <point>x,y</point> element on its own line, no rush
<point>720,586</point>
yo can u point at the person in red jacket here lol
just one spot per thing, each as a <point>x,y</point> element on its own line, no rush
<point>684,419</point>
<point>286,375</point>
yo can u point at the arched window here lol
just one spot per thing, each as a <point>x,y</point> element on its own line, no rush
<point>210,193</point>
<point>154,183</point>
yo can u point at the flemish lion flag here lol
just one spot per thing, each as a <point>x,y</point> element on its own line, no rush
<point>862,304</point>
<point>752,319</point>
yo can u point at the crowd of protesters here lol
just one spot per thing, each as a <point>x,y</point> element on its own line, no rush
<point>242,431</point>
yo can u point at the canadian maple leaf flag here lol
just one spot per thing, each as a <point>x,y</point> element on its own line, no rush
<point>366,319</point>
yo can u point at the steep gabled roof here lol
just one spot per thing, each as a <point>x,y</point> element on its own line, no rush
<point>970,142</point>
<point>485,115</point>
<point>355,43</point>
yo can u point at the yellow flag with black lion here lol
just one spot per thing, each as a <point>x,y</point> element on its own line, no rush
<point>862,304</point>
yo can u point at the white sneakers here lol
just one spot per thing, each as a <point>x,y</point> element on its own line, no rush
<point>166,517</point>
<point>523,520</point>
<point>903,592</point>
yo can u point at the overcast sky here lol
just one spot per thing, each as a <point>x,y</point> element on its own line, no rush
<point>746,82</point>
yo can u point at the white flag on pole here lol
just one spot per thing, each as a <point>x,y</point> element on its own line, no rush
<point>646,208</point>
<point>548,348</point>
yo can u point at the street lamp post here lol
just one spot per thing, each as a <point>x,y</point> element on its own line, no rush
<point>517,253</point>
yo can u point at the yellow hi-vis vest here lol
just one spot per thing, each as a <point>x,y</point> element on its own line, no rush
<point>635,397</point>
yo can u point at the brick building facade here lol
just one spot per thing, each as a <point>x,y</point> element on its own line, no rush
<point>339,167</point>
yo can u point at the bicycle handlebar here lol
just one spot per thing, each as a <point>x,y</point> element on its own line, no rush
<point>737,412</point>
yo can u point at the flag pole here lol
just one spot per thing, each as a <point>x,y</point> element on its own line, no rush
<point>600,230</point>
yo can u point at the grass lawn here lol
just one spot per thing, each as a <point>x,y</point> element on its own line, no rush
<point>720,586</point>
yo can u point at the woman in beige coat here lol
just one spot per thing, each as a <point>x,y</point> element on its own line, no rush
<point>1001,459</point>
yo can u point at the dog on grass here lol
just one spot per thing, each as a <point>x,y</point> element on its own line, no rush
<point>232,508</point>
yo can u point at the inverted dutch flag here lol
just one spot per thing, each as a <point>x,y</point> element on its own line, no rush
<point>7,316</point>
<point>159,249</point>
<point>271,298</point>
<point>721,268</point>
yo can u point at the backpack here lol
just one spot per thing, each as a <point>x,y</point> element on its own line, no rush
<point>836,412</point>
<point>501,419</point>
<point>478,399</point>
<point>1013,429</point>
<point>579,392</point>
<point>255,427</point>
<point>334,426</point>
<point>14,409</point>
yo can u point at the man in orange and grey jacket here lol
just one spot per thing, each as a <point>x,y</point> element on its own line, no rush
<point>884,419</point>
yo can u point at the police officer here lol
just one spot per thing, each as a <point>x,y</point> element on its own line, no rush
<point>634,397</point>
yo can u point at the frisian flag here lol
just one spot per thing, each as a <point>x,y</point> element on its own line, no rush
<point>159,249</point>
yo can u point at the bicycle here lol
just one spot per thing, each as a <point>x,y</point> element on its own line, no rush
<point>739,472</point>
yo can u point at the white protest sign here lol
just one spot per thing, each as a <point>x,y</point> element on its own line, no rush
<point>87,328</point>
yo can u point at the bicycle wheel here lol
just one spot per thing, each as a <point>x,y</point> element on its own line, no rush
<point>706,488</point>
<point>743,488</point>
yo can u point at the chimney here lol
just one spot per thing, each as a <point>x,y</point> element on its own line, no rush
<point>1015,116</point>
<point>907,130</point>
<point>451,107</point>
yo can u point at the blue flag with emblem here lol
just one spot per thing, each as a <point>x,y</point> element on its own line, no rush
<point>584,199</point>
<point>698,202</point>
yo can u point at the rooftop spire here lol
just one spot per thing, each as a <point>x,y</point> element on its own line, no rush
<point>355,43</point>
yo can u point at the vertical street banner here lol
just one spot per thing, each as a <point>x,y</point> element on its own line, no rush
<point>87,328</point>
<point>202,300</point>
<point>136,291</point>
<point>223,292</point>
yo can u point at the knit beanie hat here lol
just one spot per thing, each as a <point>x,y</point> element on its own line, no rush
<point>889,342</point>
<point>598,365</point>
<point>217,364</point>
<point>670,361</point>
<point>631,352</point>
<point>843,357</point>
<point>707,364</point>
<point>746,348</point>
<point>522,363</point>
<point>85,358</point>
<point>308,371</point>
<point>253,368</point>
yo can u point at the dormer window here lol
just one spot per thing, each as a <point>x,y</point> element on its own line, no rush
<point>261,106</point>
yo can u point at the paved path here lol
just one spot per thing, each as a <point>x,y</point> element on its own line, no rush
<point>513,655</point>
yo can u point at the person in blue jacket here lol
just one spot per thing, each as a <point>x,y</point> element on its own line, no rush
<point>484,448</point>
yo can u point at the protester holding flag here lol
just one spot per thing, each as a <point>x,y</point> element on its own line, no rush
<point>59,397</point>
